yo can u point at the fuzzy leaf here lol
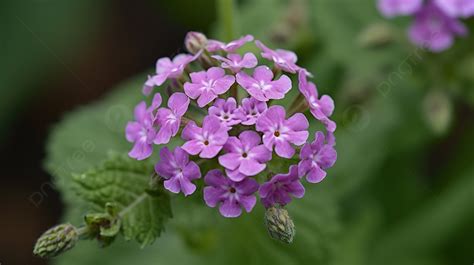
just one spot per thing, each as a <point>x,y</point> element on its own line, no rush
<point>123,181</point>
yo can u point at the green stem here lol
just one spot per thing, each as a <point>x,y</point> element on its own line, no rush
<point>234,92</point>
<point>81,231</point>
<point>298,105</point>
<point>225,13</point>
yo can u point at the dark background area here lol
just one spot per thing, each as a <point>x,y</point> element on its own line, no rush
<point>127,41</point>
<point>397,178</point>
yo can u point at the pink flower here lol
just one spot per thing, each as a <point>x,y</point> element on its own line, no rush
<point>434,29</point>
<point>214,45</point>
<point>225,111</point>
<point>206,141</point>
<point>281,133</point>
<point>177,171</point>
<point>281,187</point>
<point>207,85</point>
<point>246,154</point>
<point>236,62</point>
<point>165,68</point>
<point>262,86</point>
<point>457,8</point>
<point>316,157</point>
<point>250,110</point>
<point>391,8</point>
<point>141,131</point>
<point>283,59</point>
<point>232,196</point>
<point>170,119</point>
<point>321,108</point>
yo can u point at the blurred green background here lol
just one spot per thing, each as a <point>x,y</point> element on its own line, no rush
<point>402,190</point>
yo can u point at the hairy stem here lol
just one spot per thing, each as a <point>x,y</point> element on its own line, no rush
<point>298,105</point>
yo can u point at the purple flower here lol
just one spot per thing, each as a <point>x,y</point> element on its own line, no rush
<point>170,119</point>
<point>208,85</point>
<point>280,132</point>
<point>434,29</point>
<point>246,154</point>
<point>321,108</point>
<point>250,110</point>
<point>206,141</point>
<point>225,111</point>
<point>214,45</point>
<point>280,187</point>
<point>316,157</point>
<point>236,62</point>
<point>141,131</point>
<point>283,59</point>
<point>165,68</point>
<point>177,171</point>
<point>391,8</point>
<point>261,86</point>
<point>457,8</point>
<point>231,196</point>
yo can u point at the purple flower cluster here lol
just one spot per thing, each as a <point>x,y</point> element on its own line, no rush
<point>228,121</point>
<point>436,22</point>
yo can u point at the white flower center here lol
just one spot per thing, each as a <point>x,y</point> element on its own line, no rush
<point>262,85</point>
<point>208,85</point>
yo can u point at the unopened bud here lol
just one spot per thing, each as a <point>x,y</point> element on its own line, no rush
<point>279,224</point>
<point>376,36</point>
<point>438,111</point>
<point>56,241</point>
<point>195,42</point>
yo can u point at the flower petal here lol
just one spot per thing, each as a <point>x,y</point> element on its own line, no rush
<point>210,151</point>
<point>205,98</point>
<point>215,178</point>
<point>186,186</point>
<point>251,167</point>
<point>284,149</point>
<point>193,147</point>
<point>230,209</point>
<point>230,160</point>
<point>178,102</point>
<point>249,139</point>
<point>315,175</point>
<point>248,202</point>
<point>263,73</point>
<point>212,196</point>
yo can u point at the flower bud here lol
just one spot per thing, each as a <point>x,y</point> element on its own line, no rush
<point>376,36</point>
<point>438,111</point>
<point>195,41</point>
<point>279,224</point>
<point>56,241</point>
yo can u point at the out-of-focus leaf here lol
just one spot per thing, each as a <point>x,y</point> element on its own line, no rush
<point>86,136</point>
<point>39,35</point>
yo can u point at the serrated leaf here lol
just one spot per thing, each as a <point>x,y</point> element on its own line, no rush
<point>123,181</point>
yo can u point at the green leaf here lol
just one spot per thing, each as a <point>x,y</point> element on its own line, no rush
<point>123,181</point>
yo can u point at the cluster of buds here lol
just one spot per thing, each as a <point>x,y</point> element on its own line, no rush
<point>56,241</point>
<point>436,22</point>
<point>224,106</point>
